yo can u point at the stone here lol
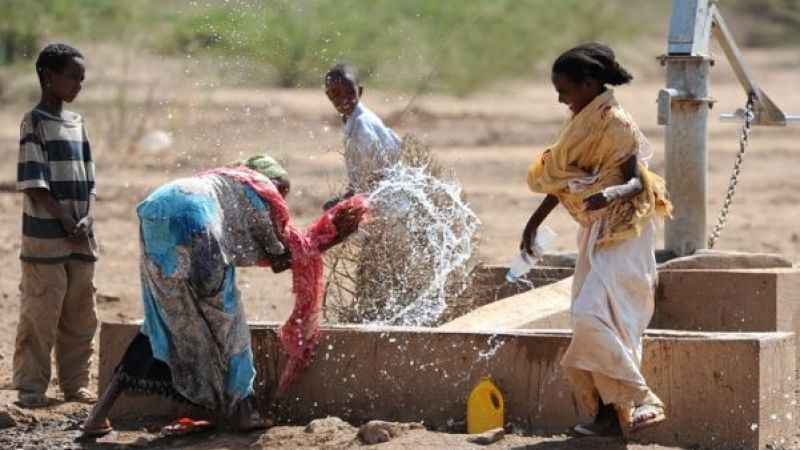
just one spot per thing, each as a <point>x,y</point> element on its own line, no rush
<point>379,431</point>
<point>488,437</point>
<point>328,424</point>
<point>375,432</point>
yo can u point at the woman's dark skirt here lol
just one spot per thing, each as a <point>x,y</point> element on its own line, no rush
<point>141,374</point>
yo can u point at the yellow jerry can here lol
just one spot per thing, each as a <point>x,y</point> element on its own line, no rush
<point>485,408</point>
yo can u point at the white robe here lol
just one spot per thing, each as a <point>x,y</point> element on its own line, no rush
<point>612,303</point>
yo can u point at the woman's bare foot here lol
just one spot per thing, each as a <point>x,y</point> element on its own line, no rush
<point>96,428</point>
<point>97,424</point>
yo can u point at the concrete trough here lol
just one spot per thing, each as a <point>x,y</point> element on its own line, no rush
<point>722,391</point>
<point>732,300</point>
<point>545,307</point>
<point>728,300</point>
<point>721,300</point>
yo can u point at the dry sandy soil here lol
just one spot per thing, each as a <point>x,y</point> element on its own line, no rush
<point>487,139</point>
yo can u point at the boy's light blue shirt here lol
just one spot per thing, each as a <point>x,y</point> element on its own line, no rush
<point>369,145</point>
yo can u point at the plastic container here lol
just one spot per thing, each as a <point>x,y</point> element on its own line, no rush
<point>485,408</point>
<point>523,262</point>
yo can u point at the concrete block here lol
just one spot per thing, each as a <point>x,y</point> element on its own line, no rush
<point>720,259</point>
<point>722,391</point>
<point>728,300</point>
<point>544,307</point>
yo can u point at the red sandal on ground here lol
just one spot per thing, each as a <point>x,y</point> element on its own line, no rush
<point>185,425</point>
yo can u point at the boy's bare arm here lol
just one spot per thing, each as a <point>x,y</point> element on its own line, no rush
<point>42,197</point>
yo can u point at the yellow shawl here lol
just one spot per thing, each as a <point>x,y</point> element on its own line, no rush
<point>586,159</point>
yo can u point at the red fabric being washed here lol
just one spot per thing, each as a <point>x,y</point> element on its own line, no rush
<point>300,334</point>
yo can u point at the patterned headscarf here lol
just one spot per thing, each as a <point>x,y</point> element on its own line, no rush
<point>267,166</point>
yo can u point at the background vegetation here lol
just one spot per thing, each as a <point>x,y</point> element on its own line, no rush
<point>445,45</point>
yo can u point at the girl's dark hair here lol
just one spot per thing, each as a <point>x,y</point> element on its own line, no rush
<point>55,57</point>
<point>592,60</point>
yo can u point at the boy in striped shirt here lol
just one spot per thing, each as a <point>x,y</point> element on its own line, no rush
<point>56,174</point>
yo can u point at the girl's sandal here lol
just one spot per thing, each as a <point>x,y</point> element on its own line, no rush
<point>646,416</point>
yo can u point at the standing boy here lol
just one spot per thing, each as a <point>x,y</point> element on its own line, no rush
<point>369,145</point>
<point>56,174</point>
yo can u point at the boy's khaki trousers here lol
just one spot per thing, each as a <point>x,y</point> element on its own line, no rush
<point>57,308</point>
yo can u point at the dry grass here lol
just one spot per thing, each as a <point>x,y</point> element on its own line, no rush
<point>380,272</point>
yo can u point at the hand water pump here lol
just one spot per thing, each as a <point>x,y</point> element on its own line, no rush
<point>683,107</point>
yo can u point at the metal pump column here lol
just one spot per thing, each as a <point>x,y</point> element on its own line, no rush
<point>683,107</point>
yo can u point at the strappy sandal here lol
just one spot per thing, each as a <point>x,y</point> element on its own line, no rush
<point>646,416</point>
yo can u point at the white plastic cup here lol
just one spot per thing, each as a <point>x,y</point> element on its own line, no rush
<point>523,262</point>
<point>520,265</point>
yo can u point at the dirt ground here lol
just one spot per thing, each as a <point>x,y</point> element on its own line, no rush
<point>56,427</point>
<point>487,139</point>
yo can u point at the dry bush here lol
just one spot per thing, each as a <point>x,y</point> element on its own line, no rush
<point>385,273</point>
<point>416,154</point>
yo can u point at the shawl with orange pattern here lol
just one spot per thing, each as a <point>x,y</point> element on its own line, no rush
<point>587,158</point>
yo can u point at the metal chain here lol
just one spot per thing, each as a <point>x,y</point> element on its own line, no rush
<point>744,140</point>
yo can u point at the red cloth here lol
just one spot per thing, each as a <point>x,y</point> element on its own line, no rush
<point>300,334</point>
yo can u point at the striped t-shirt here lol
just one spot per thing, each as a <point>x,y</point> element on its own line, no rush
<point>54,154</point>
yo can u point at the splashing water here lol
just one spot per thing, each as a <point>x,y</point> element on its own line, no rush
<point>426,232</point>
<point>495,343</point>
<point>522,282</point>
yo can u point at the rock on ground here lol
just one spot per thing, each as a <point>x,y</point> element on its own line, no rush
<point>488,437</point>
<point>327,425</point>
<point>379,431</point>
